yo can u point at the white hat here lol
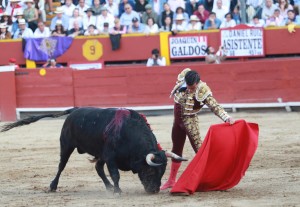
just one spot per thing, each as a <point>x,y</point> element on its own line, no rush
<point>194,18</point>
<point>58,22</point>
<point>59,10</point>
<point>179,17</point>
<point>28,1</point>
<point>21,21</point>
<point>3,25</point>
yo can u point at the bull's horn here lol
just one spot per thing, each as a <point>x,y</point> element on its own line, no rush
<point>174,156</point>
<point>149,158</point>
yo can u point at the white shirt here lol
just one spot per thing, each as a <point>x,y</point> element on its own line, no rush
<point>160,61</point>
<point>225,3</point>
<point>156,7</point>
<point>226,24</point>
<point>113,9</point>
<point>68,10</point>
<point>27,33</point>
<point>39,34</point>
<point>220,13</point>
<point>72,20</point>
<point>191,27</point>
<point>82,10</point>
<point>96,32</point>
<point>151,30</point>
<point>87,21</point>
<point>176,3</point>
<point>179,27</point>
<point>108,19</point>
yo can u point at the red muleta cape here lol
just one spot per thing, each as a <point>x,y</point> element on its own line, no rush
<point>222,160</point>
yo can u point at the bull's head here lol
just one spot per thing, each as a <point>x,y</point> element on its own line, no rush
<point>152,171</point>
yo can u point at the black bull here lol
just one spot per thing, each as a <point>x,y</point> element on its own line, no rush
<point>119,138</point>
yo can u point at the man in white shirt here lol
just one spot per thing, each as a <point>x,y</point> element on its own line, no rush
<point>128,15</point>
<point>105,17</point>
<point>156,59</point>
<point>89,19</point>
<point>176,3</point>
<point>221,10</point>
<point>112,8</point>
<point>82,7</point>
<point>41,31</point>
<point>268,9</point>
<point>23,31</point>
<point>68,8</point>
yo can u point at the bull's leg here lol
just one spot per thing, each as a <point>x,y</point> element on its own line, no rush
<point>65,153</point>
<point>115,175</point>
<point>101,173</point>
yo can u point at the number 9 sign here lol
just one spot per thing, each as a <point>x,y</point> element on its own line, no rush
<point>92,50</point>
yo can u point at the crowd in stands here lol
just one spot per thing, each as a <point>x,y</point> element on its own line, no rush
<point>27,18</point>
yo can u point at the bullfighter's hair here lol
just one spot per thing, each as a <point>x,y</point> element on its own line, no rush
<point>32,119</point>
<point>114,127</point>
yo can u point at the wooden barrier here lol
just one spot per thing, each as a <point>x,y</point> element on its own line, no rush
<point>231,82</point>
<point>7,94</point>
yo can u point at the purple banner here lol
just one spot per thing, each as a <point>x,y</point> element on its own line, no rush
<point>43,49</point>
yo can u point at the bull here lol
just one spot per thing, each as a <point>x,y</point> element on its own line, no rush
<point>119,138</point>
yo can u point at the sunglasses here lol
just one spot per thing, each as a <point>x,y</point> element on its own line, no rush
<point>127,8</point>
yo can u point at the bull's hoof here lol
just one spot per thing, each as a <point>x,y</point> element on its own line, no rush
<point>110,188</point>
<point>117,192</point>
<point>52,188</point>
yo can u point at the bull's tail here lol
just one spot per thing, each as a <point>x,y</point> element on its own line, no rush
<point>32,119</point>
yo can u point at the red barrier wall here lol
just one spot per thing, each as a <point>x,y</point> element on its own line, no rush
<point>138,47</point>
<point>231,82</point>
<point>7,95</point>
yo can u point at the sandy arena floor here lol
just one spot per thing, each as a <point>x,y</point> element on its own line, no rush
<point>29,157</point>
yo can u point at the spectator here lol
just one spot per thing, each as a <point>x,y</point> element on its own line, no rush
<point>167,27</point>
<point>128,15</point>
<point>174,4</point>
<point>268,9</point>
<point>136,26</point>
<point>292,18</point>
<point>191,6</point>
<point>97,7</point>
<point>112,8</point>
<point>12,62</point>
<point>6,18</point>
<point>15,25</point>
<point>140,6</point>
<point>4,33</point>
<point>23,31</point>
<point>91,31</point>
<point>180,11</point>
<point>166,13</point>
<point>225,6</point>
<point>284,7</point>
<point>122,6</point>
<point>59,16</point>
<point>42,31</point>
<point>59,29</point>
<point>89,19</point>
<point>228,21</point>
<point>31,15</point>
<point>105,29</point>
<point>52,64</point>
<point>149,14</point>
<point>256,22</point>
<point>254,8</point>
<point>208,5</point>
<point>275,20</point>
<point>202,14</point>
<point>75,18</point>
<point>13,8</point>
<point>212,22</point>
<point>76,31</point>
<point>157,5</point>
<point>236,15</point>
<point>105,17</point>
<point>50,6</point>
<point>213,57</point>
<point>68,8</point>
<point>194,24</point>
<point>220,10</point>
<point>118,28</point>
<point>151,27</point>
<point>179,25</point>
<point>156,59</point>
<point>40,6</point>
<point>82,7</point>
